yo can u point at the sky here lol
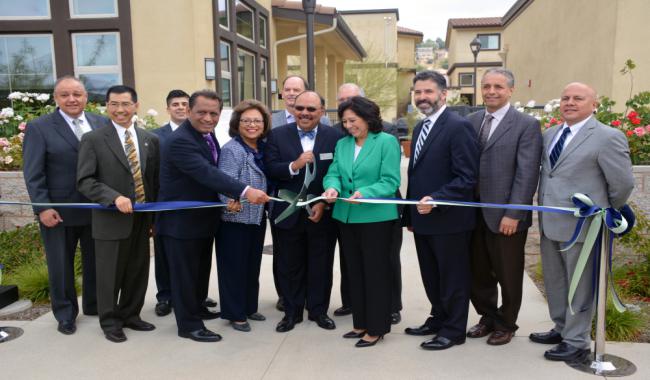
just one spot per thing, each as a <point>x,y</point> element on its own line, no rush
<point>428,16</point>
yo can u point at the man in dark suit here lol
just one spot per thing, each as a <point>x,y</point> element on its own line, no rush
<point>177,108</point>
<point>511,147</point>
<point>345,92</point>
<point>306,242</point>
<point>444,166</point>
<point>50,169</point>
<point>189,173</point>
<point>118,165</point>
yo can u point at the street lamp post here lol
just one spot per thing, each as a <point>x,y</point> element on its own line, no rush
<point>475,46</point>
<point>309,6</point>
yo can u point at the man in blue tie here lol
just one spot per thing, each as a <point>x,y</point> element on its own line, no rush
<point>580,156</point>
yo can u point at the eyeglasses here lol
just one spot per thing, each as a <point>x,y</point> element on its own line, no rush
<point>118,104</point>
<point>309,109</point>
<point>251,121</point>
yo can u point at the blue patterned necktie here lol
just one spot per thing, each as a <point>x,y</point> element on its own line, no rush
<point>310,135</point>
<point>559,145</point>
<point>426,128</point>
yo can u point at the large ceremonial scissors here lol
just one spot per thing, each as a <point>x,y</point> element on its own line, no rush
<point>293,198</point>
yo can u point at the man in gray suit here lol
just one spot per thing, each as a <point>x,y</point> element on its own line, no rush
<point>510,145</point>
<point>292,86</point>
<point>50,170</point>
<point>119,166</point>
<point>580,156</point>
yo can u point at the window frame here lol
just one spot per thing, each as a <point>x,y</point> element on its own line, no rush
<point>28,18</point>
<point>255,73</point>
<point>498,35</point>
<point>51,38</point>
<point>460,82</point>
<point>94,15</point>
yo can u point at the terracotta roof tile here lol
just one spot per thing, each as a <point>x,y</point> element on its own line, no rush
<point>474,22</point>
<point>401,29</point>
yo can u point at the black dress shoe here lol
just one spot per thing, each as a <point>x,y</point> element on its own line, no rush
<point>207,314</point>
<point>115,336</point>
<point>203,335</point>
<point>280,304</point>
<point>91,312</point>
<point>324,322</point>
<point>343,310</point>
<point>257,317</point>
<point>566,353</point>
<point>441,343</point>
<point>395,318</point>
<point>163,308</point>
<point>140,325</point>
<point>354,335</point>
<point>421,330</point>
<point>209,302</point>
<point>550,337</point>
<point>366,343</point>
<point>243,327</point>
<point>286,324</point>
<point>67,327</point>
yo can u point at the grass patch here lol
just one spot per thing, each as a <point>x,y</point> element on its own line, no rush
<point>620,327</point>
<point>32,281</point>
<point>20,246</point>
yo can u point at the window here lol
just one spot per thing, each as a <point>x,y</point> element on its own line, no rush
<point>466,79</point>
<point>26,63</point>
<point>264,80</point>
<point>246,74</point>
<point>97,61</point>
<point>226,74</point>
<point>93,8</point>
<point>24,9</point>
<point>245,18</point>
<point>490,41</point>
<point>224,14</point>
<point>262,31</point>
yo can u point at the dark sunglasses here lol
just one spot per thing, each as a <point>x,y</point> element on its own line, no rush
<point>309,109</point>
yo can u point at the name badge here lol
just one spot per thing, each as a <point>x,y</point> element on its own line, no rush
<point>326,156</point>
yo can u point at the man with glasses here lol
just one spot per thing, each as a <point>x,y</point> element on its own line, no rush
<point>118,166</point>
<point>306,239</point>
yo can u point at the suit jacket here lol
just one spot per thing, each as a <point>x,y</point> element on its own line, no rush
<point>282,147</point>
<point>103,174</point>
<point>375,174</point>
<point>238,163</point>
<point>188,173</point>
<point>50,151</point>
<point>279,118</point>
<point>509,166</point>
<point>596,162</point>
<point>447,168</point>
<point>163,132</point>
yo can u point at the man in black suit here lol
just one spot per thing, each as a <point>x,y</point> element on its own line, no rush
<point>189,173</point>
<point>306,242</point>
<point>118,165</point>
<point>345,92</point>
<point>444,166</point>
<point>50,169</point>
<point>177,108</point>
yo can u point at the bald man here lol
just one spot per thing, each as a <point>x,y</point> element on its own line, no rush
<point>580,156</point>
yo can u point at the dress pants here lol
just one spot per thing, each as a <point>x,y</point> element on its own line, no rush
<point>445,269</point>
<point>497,259</point>
<point>164,293</point>
<point>186,257</point>
<point>558,268</point>
<point>60,244</point>
<point>396,270</point>
<point>306,257</point>
<point>367,248</point>
<point>274,239</point>
<point>122,275</point>
<point>239,257</point>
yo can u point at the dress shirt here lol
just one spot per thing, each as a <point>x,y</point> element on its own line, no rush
<point>173,125</point>
<point>497,115</point>
<point>289,116</point>
<point>436,115</point>
<point>357,150</point>
<point>134,137</point>
<point>307,145</point>
<point>84,125</point>
<point>575,128</point>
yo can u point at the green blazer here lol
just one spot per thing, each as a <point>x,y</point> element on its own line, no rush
<point>375,174</point>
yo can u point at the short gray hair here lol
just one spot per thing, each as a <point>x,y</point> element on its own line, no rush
<point>352,85</point>
<point>510,77</point>
<point>67,77</point>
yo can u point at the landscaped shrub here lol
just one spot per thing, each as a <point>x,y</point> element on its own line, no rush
<point>32,281</point>
<point>20,246</point>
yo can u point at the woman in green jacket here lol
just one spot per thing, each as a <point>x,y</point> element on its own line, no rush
<point>366,165</point>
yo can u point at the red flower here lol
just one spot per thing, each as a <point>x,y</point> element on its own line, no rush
<point>629,133</point>
<point>553,120</point>
<point>616,123</point>
<point>632,114</point>
<point>559,121</point>
<point>635,120</point>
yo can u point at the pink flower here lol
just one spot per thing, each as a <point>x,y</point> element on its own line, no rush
<point>22,126</point>
<point>639,131</point>
<point>647,128</point>
<point>3,142</point>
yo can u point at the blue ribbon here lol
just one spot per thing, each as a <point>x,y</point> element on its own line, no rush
<point>137,207</point>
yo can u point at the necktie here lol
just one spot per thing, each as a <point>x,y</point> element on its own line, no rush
<point>77,128</point>
<point>484,132</point>
<point>213,147</point>
<point>310,135</point>
<point>426,128</point>
<point>559,145</point>
<point>132,157</point>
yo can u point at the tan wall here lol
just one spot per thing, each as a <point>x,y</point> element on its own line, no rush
<point>552,48</point>
<point>460,39</point>
<point>404,84</point>
<point>377,36</point>
<point>406,50</point>
<point>168,57</point>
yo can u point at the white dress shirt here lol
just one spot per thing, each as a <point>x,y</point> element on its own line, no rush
<point>436,115</point>
<point>575,128</point>
<point>83,123</point>
<point>134,137</point>
<point>289,116</point>
<point>307,145</point>
<point>497,115</point>
<point>173,125</point>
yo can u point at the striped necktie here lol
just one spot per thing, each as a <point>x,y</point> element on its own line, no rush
<point>77,128</point>
<point>132,157</point>
<point>426,128</point>
<point>484,133</point>
<point>559,145</point>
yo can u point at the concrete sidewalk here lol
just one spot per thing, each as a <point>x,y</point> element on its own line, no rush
<point>305,352</point>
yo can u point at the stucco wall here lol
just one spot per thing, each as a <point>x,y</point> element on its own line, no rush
<point>377,35</point>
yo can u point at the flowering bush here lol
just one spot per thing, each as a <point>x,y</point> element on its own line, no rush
<point>11,152</point>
